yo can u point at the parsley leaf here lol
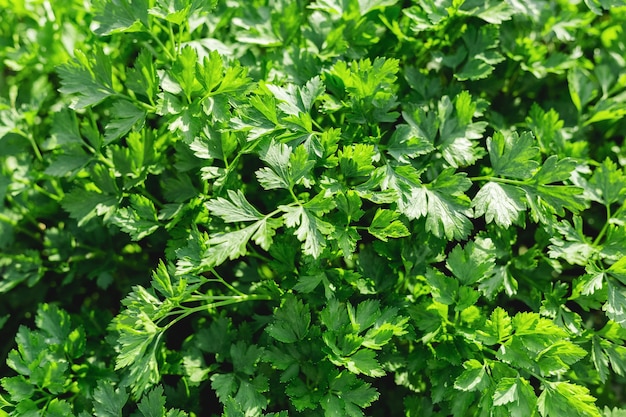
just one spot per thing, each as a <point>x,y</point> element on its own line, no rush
<point>513,156</point>
<point>501,203</point>
<point>562,398</point>
<point>92,82</point>
<point>108,401</point>
<point>445,206</point>
<point>236,209</point>
<point>291,321</point>
<point>386,224</point>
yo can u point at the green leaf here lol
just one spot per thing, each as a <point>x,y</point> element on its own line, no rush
<point>295,100</point>
<point>28,408</point>
<point>233,82</point>
<point>364,362</point>
<point>367,312</point>
<point>567,399</point>
<point>210,72</point>
<point>335,315</point>
<point>307,283</point>
<point>555,170</point>
<point>138,338</point>
<point>366,6</point>
<point>59,408</point>
<point>349,203</point>
<point>190,255</point>
<point>506,391</point>
<point>445,206</point>
<point>143,78</point>
<point>17,387</point>
<point>473,378</point>
<point>153,403</point>
<point>238,209</point>
<point>177,12</point>
<point>65,130</point>
<point>600,359</point>
<point>250,397</point>
<point>481,45</point>
<point>229,245</point>
<point>265,232</point>
<point>300,166</point>
<point>531,324</point>
<point>615,412</point>
<point>109,402</point>
<point>581,87</point>
<point>385,224</point>
<point>310,228</point>
<point>54,321</point>
<point>134,161</point>
<point>608,110</point>
<point>547,128</point>
<point>162,282</point>
<point>607,184</point>
<point>425,124</point>
<point>558,357</point>
<point>472,263</point>
<point>615,305</point>
<point>184,70</point>
<point>497,328</point>
<point>30,346</point>
<point>224,385</point>
<point>357,160</point>
<point>501,203</point>
<point>490,11</point>
<point>245,357</point>
<point>291,321</point>
<point>406,143</point>
<point>115,16</point>
<point>277,174</point>
<point>516,395</point>
<point>83,205</point>
<point>531,335</point>
<point>68,163</point>
<point>124,116</point>
<point>512,155</point>
<point>457,133</point>
<point>214,144</point>
<point>444,289</point>
<point>347,396</point>
<point>176,413</point>
<point>381,334</point>
<point>88,78</point>
<point>26,267</point>
<point>546,199</point>
<point>573,246</point>
<point>369,88</point>
<point>139,220</point>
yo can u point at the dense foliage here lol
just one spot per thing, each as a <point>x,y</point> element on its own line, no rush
<point>313,208</point>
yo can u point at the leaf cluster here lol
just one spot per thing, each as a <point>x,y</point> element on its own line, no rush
<point>299,208</point>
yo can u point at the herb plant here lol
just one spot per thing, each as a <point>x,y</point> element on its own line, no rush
<point>313,208</point>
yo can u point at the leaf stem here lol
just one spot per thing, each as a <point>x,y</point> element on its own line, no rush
<point>162,45</point>
<point>497,179</point>
<point>225,283</point>
<point>295,198</point>
<point>235,299</point>
<point>598,238</point>
<point>32,142</point>
<point>175,45</point>
<point>6,219</point>
<point>40,189</point>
